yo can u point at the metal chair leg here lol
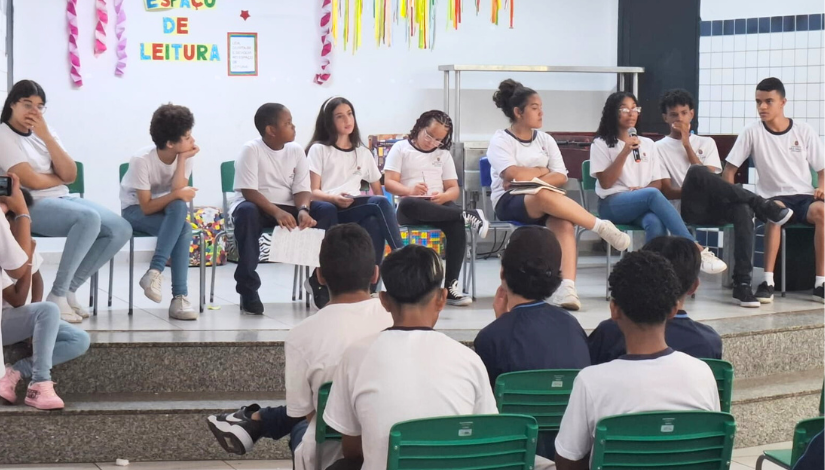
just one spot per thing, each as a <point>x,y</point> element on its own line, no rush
<point>784,272</point>
<point>473,246</point>
<point>306,297</point>
<point>92,290</point>
<point>97,292</point>
<point>607,276</point>
<point>202,272</point>
<point>111,281</point>
<point>215,264</point>
<point>759,462</point>
<point>131,274</point>
<point>295,283</point>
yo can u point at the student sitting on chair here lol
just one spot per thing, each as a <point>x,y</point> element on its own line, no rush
<point>651,376</point>
<point>528,333</point>
<point>784,151</point>
<point>421,171</point>
<point>338,161</point>
<point>522,153</point>
<point>629,173</point>
<point>691,162</point>
<point>682,334</point>
<point>313,349</point>
<point>272,189</point>
<point>154,198</point>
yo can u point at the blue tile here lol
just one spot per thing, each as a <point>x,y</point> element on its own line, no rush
<point>713,239</point>
<point>741,26</point>
<point>789,24</point>
<point>702,237</point>
<point>757,260</point>
<point>814,22</point>
<point>753,25</point>
<point>776,24</point>
<point>764,25</point>
<point>801,22</point>
<point>705,28</point>
<point>717,27</point>
<point>728,27</point>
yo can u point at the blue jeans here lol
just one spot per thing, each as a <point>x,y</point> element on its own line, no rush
<point>377,216</point>
<point>93,234</point>
<point>647,208</point>
<point>174,239</point>
<point>277,424</point>
<point>53,340</point>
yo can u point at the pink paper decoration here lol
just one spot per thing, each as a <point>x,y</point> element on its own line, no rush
<point>74,57</point>
<point>100,29</point>
<point>326,42</point>
<point>120,31</point>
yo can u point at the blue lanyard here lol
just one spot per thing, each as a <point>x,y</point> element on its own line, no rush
<point>529,305</point>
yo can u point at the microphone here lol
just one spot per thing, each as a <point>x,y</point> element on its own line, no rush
<point>632,133</point>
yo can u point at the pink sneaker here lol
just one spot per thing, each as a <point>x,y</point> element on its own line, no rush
<point>42,396</point>
<point>8,383</point>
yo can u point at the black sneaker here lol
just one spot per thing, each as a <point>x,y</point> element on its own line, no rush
<point>764,293</point>
<point>819,293</point>
<point>475,219</point>
<point>744,294</point>
<point>251,305</point>
<point>320,294</point>
<point>456,297</point>
<point>773,212</point>
<point>236,431</point>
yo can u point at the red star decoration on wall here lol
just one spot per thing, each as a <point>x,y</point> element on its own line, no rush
<point>245,14</point>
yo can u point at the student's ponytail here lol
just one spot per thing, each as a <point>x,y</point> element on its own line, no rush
<point>20,90</point>
<point>512,94</point>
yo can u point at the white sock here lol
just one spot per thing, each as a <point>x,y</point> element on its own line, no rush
<point>568,282</point>
<point>597,224</point>
<point>769,278</point>
<point>819,281</point>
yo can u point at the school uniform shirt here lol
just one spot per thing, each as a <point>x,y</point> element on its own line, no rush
<point>674,156</point>
<point>634,174</point>
<point>399,375</point>
<point>415,166</point>
<point>532,337</point>
<point>12,256</point>
<point>682,334</point>
<point>665,381</point>
<point>506,150</point>
<point>782,159</point>
<point>148,173</point>
<point>7,281</point>
<point>277,174</point>
<point>313,349</point>
<point>18,148</point>
<point>341,171</point>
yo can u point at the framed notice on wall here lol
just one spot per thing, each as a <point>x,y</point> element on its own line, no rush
<point>242,54</point>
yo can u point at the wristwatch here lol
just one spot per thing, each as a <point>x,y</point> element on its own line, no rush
<point>304,208</point>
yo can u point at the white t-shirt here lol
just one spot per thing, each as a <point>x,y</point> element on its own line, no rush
<point>675,159</point>
<point>277,174</point>
<point>431,168</point>
<point>783,161</point>
<point>313,349</point>
<point>399,375</point>
<point>669,381</point>
<point>147,172</point>
<point>7,281</point>
<point>507,150</point>
<point>12,256</point>
<point>16,148</point>
<point>341,171</point>
<point>634,174</point>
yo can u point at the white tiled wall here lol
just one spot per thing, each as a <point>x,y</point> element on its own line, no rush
<point>731,66</point>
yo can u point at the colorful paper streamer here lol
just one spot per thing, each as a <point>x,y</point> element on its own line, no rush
<point>326,42</point>
<point>74,56</point>
<point>120,31</point>
<point>100,28</point>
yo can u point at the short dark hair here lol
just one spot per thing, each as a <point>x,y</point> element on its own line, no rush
<point>512,94</point>
<point>20,90</point>
<point>426,119</point>
<point>325,132</point>
<point>170,123</point>
<point>531,263</point>
<point>347,259</point>
<point>772,84</point>
<point>644,285</point>
<point>267,115</point>
<point>609,124</point>
<point>412,274</point>
<point>682,254</point>
<point>676,97</point>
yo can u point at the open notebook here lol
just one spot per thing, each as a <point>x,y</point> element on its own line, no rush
<point>532,187</point>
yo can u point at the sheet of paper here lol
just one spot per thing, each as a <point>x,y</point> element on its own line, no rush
<point>300,247</point>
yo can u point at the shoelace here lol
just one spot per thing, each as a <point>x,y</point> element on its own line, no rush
<point>474,221</point>
<point>454,291</point>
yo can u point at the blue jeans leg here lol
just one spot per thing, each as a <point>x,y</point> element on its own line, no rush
<point>276,423</point>
<point>377,217</point>
<point>324,213</point>
<point>39,321</point>
<point>634,207</point>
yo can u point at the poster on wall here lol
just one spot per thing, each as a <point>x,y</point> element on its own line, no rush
<point>242,49</point>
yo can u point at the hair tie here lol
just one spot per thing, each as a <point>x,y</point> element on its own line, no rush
<point>326,103</point>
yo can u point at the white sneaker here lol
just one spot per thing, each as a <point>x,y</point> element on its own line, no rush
<point>181,309</point>
<point>456,297</point>
<point>615,237</point>
<point>566,297</point>
<point>71,297</point>
<point>66,312</point>
<point>711,264</point>
<point>151,284</point>
<point>475,219</point>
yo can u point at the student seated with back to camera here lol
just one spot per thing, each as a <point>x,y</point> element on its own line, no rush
<point>681,333</point>
<point>651,376</point>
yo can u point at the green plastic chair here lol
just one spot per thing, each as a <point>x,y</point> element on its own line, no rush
<point>542,394</point>
<point>664,441</point>
<point>803,433</point>
<point>723,373</point>
<point>815,183</point>
<point>323,432</point>
<point>464,442</point>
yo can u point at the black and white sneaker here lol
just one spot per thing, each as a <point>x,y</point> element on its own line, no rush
<point>236,431</point>
<point>764,293</point>
<point>773,212</point>
<point>475,219</point>
<point>320,294</point>
<point>252,305</point>
<point>819,293</point>
<point>744,294</point>
<point>456,297</point>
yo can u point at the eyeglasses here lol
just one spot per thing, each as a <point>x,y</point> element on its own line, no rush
<point>431,138</point>
<point>636,110</point>
<point>31,107</point>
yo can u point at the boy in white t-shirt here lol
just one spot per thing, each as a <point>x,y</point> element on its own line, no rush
<point>651,376</point>
<point>272,189</point>
<point>313,349</point>
<point>784,152</point>
<point>692,162</point>
<point>154,198</point>
<point>408,371</point>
